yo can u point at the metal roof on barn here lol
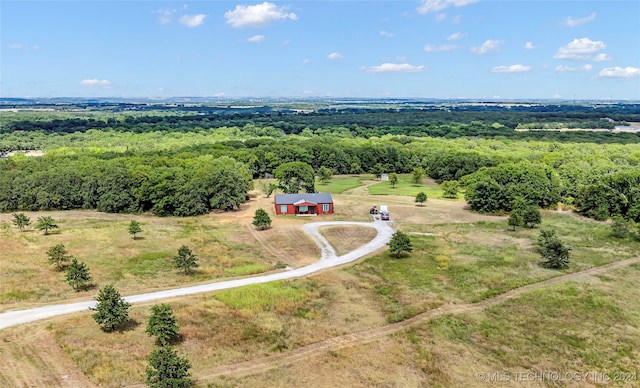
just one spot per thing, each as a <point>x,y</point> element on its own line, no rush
<point>290,199</point>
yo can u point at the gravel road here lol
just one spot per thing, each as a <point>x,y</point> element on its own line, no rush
<point>328,259</point>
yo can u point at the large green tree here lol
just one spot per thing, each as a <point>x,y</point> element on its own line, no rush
<point>294,177</point>
<point>162,324</point>
<point>185,260</point>
<point>421,198</point>
<point>399,243</point>
<point>111,312</point>
<point>167,369</point>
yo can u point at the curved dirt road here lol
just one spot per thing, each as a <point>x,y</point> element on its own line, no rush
<point>264,364</point>
<point>328,259</point>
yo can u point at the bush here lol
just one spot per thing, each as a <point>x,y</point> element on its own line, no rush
<point>554,253</point>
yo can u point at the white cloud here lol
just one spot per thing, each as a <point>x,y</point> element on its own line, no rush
<point>562,68</point>
<point>427,6</point>
<point>579,49</point>
<point>387,34</point>
<point>619,72</point>
<point>571,22</point>
<point>258,15</point>
<point>440,17</point>
<point>393,68</point>
<point>511,69</point>
<point>456,36</point>
<point>165,15</point>
<point>602,57</point>
<point>334,56</point>
<point>457,19</point>
<point>193,20</point>
<point>306,61</point>
<point>18,46</point>
<point>488,46</point>
<point>437,49</point>
<point>256,38</point>
<point>529,46</point>
<point>94,82</point>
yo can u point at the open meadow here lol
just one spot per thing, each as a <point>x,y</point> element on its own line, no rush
<point>433,317</point>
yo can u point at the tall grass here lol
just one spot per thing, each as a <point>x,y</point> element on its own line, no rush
<point>279,296</point>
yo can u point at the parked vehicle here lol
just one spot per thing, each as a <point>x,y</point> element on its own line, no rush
<point>384,208</point>
<point>384,216</point>
<point>373,210</point>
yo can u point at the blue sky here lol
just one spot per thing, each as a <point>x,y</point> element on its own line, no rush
<point>397,49</point>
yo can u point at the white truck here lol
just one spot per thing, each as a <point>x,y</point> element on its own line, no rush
<point>384,213</point>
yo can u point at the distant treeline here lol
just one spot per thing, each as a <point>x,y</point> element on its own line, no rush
<point>374,123</point>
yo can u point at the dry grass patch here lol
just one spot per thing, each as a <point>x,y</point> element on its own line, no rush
<point>344,239</point>
<point>101,241</point>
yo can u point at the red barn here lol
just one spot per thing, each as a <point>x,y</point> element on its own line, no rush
<point>307,203</point>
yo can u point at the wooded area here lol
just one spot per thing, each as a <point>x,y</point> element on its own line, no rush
<point>187,164</point>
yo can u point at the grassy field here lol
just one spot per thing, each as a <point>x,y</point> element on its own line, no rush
<point>339,184</point>
<point>589,324</point>
<point>113,257</point>
<point>407,188</point>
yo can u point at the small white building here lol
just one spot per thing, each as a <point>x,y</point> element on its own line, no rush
<point>384,177</point>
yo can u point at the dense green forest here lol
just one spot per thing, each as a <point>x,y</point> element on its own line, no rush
<point>186,163</point>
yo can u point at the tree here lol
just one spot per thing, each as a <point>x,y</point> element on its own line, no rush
<point>450,189</point>
<point>400,243</point>
<point>185,259</point>
<point>393,179</point>
<point>45,224</point>
<point>554,253</point>
<point>111,311</point>
<point>20,220</point>
<point>531,216</point>
<point>134,228</point>
<point>619,227</point>
<point>295,176</point>
<point>421,198</point>
<point>162,324</point>
<point>268,188</point>
<point>58,256</point>
<point>515,218</point>
<point>261,220</point>
<point>324,174</point>
<point>168,370</point>
<point>377,171</point>
<point>78,275</point>
<point>417,175</point>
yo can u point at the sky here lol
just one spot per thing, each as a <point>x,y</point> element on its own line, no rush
<point>470,49</point>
